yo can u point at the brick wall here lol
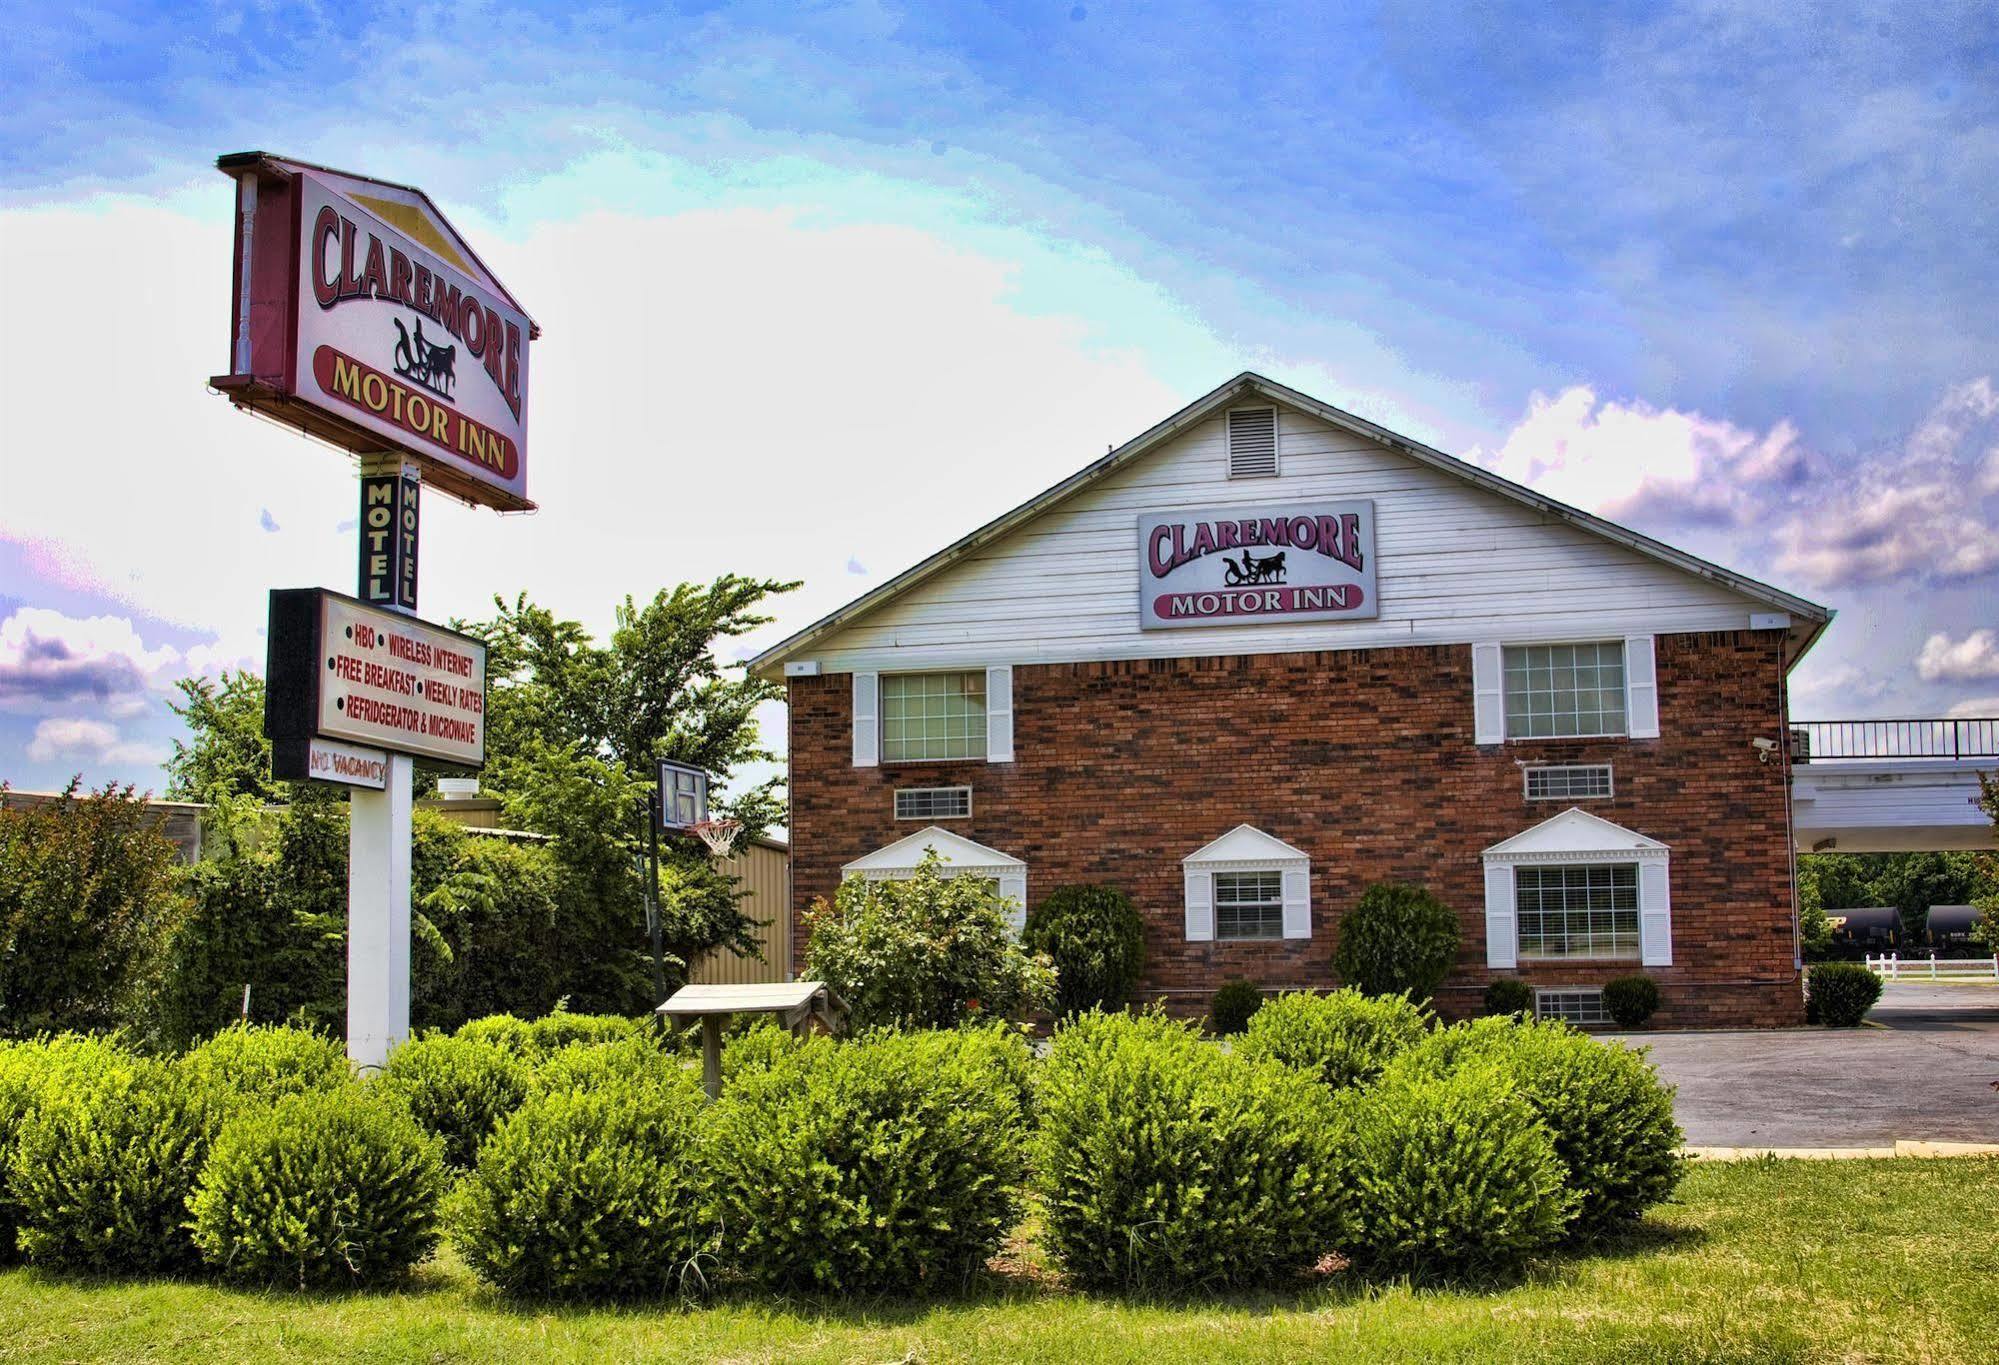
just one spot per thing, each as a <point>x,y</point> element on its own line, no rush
<point>1365,760</point>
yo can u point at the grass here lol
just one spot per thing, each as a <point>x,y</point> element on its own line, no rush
<point>1761,1260</point>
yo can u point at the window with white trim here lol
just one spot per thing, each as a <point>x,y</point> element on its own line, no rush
<point>926,716</point>
<point>1567,910</point>
<point>1557,691</point>
<point>1249,905</point>
<point>1568,781</point>
<point>933,803</point>
<point>1578,1005</point>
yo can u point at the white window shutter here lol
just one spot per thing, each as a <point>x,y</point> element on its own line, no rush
<point>867,720</point>
<point>1488,696</point>
<point>1655,914</point>
<point>1641,688</point>
<point>999,714</point>
<point>1200,906</point>
<point>1501,945</point>
<point>1013,886</point>
<point>1298,903</point>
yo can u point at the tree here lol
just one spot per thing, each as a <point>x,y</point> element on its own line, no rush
<point>1985,930</point>
<point>227,754</point>
<point>87,882</point>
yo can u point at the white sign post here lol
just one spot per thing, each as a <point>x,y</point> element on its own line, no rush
<point>378,917</point>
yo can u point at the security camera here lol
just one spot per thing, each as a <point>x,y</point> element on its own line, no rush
<point>1764,748</point>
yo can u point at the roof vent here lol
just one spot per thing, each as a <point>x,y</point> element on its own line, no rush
<point>1252,443</point>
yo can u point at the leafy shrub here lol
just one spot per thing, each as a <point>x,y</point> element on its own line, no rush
<point>265,1064</point>
<point>27,1070</point>
<point>1452,1173</point>
<point>1165,1162</point>
<point>1631,1000</point>
<point>1839,994</point>
<point>1232,1007</point>
<point>1397,940</point>
<point>102,1169</point>
<point>1602,1103</point>
<point>86,884</point>
<point>560,1029</point>
<point>634,1059</point>
<point>1097,941</point>
<point>891,1162</point>
<point>324,1188</point>
<point>1344,1038</point>
<point>929,951</point>
<point>1509,995</point>
<point>590,1193</point>
<point>761,1047</point>
<point>501,1030</point>
<point>457,1089</point>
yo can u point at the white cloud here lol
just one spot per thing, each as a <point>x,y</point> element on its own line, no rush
<point>1945,660</point>
<point>1630,459</point>
<point>1977,708</point>
<point>77,737</point>
<point>1814,680</point>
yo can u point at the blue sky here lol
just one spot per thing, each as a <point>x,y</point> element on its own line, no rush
<point>1720,271</point>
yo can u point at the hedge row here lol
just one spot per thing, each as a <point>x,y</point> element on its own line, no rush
<point>592,1165</point>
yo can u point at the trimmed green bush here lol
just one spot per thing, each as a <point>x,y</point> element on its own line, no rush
<point>560,1029</point>
<point>63,1062</point>
<point>1452,1173</point>
<point>266,1063</point>
<point>1509,995</point>
<point>1344,1038</point>
<point>1839,994</point>
<point>891,1162</point>
<point>1602,1103</point>
<point>1397,940</point>
<point>457,1089</point>
<point>591,1194</point>
<point>323,1188</point>
<point>1166,1163</point>
<point>633,1059</point>
<point>1096,939</point>
<point>1631,1000</point>
<point>1233,1005</point>
<point>762,1047</point>
<point>501,1030</point>
<point>103,1167</point>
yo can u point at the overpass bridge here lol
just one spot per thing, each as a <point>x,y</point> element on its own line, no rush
<point>1891,786</point>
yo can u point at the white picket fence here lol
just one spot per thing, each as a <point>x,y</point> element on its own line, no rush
<point>1934,968</point>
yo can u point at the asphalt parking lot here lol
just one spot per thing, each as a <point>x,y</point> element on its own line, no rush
<point>1930,1072</point>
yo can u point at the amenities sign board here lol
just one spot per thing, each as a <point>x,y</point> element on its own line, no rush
<point>361,316</point>
<point>340,670</point>
<point>1307,561</point>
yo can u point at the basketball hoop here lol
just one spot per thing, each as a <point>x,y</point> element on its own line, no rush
<point>719,834</point>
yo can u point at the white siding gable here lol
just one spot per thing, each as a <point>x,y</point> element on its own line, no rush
<point>1455,563</point>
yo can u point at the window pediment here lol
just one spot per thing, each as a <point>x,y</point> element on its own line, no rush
<point>1245,846</point>
<point>1572,834</point>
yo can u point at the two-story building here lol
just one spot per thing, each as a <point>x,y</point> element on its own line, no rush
<point>1267,654</point>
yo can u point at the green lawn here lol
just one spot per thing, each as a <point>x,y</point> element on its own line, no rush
<point>1891,1260</point>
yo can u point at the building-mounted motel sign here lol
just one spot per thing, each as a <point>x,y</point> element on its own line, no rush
<point>1308,561</point>
<point>347,683</point>
<point>361,316</point>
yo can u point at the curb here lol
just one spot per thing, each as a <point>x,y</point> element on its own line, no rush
<point>1904,1147</point>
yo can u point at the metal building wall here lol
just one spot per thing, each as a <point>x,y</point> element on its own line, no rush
<point>765,869</point>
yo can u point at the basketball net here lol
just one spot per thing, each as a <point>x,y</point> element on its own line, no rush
<point>719,834</point>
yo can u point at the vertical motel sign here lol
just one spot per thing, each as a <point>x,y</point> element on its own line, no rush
<point>360,316</point>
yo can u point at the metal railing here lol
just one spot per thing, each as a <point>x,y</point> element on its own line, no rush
<point>1816,741</point>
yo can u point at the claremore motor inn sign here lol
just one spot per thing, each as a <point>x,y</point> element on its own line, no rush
<point>1294,561</point>
<point>362,317</point>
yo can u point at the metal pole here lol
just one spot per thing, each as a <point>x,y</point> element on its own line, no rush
<point>652,897</point>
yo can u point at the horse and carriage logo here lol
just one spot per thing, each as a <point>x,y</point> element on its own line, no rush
<point>1253,569</point>
<point>421,362</point>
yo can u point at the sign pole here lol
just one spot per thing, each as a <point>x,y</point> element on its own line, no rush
<point>379,822</point>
